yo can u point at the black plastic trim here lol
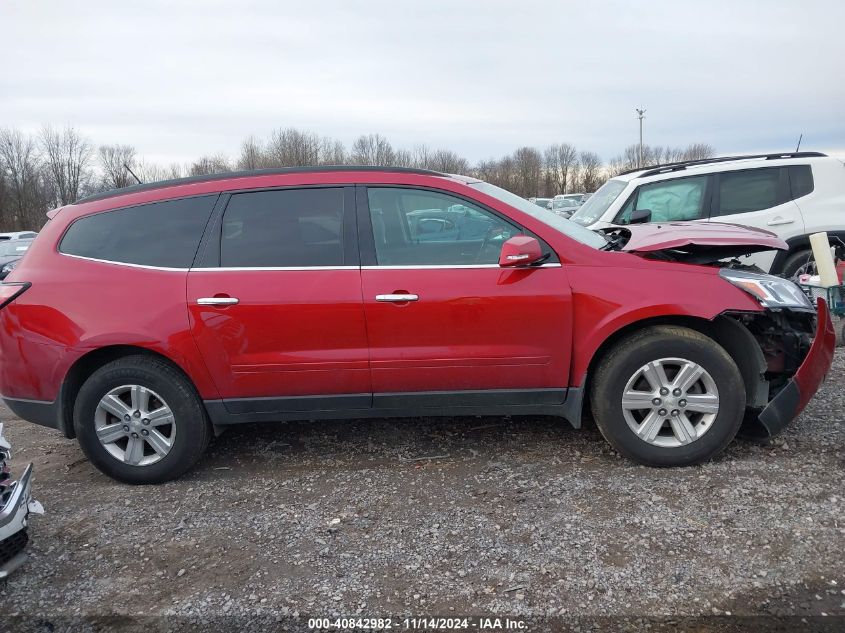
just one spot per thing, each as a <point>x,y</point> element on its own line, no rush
<point>162,184</point>
<point>23,286</point>
<point>298,404</point>
<point>38,412</point>
<point>653,170</point>
<point>781,410</point>
<point>564,403</point>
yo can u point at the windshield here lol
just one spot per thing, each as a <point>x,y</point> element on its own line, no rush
<point>592,210</point>
<point>561,203</point>
<point>585,236</point>
<point>8,249</point>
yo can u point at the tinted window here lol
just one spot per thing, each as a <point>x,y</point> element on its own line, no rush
<point>160,234</point>
<point>669,200</point>
<point>293,227</point>
<point>800,180</point>
<point>751,190</point>
<point>416,227</point>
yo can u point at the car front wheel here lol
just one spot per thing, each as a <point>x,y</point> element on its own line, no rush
<point>668,396</point>
<point>140,421</point>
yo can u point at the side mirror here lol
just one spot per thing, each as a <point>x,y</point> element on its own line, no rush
<point>520,250</point>
<point>640,216</point>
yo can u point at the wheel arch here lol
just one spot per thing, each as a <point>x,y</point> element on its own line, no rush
<point>796,244</point>
<point>90,362</point>
<point>726,329</point>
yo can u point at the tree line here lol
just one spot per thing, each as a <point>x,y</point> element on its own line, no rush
<point>55,167</point>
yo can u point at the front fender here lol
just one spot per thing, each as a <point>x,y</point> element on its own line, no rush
<point>607,301</point>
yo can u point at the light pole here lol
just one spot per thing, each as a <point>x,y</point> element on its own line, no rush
<point>640,113</point>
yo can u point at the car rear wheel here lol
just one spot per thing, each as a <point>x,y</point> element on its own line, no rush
<point>140,421</point>
<point>668,396</point>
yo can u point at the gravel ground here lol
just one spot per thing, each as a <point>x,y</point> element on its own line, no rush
<point>489,516</point>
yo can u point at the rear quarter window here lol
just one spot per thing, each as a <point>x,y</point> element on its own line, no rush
<point>164,234</point>
<point>800,180</point>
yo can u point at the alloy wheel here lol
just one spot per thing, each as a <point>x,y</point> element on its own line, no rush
<point>135,425</point>
<point>670,402</point>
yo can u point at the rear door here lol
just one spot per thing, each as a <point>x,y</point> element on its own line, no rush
<point>275,302</point>
<point>759,198</point>
<point>447,325</point>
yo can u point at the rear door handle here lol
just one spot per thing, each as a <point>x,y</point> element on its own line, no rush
<point>778,220</point>
<point>397,298</point>
<point>217,301</point>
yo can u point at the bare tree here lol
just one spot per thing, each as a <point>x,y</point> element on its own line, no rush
<point>67,156</point>
<point>293,148</point>
<point>561,162</point>
<point>372,149</point>
<point>332,152</point>
<point>448,162</point>
<point>253,154</point>
<point>210,165</point>
<point>115,161</point>
<point>26,193</point>
<point>591,171</point>
<point>528,164</point>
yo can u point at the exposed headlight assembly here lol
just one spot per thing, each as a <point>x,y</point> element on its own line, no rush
<point>770,291</point>
<point>10,266</point>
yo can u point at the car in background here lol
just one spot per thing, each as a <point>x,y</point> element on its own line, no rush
<point>564,207</point>
<point>577,197</point>
<point>793,195</point>
<point>16,506</point>
<point>11,252</point>
<point>19,235</point>
<point>541,202</point>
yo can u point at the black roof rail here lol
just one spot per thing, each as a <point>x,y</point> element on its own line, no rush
<point>160,184</point>
<point>669,167</point>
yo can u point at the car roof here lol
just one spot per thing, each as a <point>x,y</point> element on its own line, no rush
<point>228,175</point>
<point>717,164</point>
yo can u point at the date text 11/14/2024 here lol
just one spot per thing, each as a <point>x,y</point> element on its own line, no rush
<point>417,624</point>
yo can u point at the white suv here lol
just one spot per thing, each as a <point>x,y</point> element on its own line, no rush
<point>793,195</point>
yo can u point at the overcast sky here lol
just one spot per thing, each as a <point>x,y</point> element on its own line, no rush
<point>181,79</point>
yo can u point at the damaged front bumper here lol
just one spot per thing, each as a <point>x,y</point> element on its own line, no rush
<point>16,503</point>
<point>796,393</point>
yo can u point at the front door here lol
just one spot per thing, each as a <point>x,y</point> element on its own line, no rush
<point>446,324</point>
<point>278,316</point>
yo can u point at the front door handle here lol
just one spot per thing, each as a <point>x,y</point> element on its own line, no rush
<point>397,298</point>
<point>217,301</point>
<point>778,220</point>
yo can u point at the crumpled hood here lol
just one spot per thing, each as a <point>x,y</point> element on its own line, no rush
<point>698,242</point>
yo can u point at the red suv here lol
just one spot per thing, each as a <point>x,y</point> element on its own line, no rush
<point>142,320</point>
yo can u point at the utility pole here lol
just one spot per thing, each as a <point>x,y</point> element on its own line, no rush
<point>640,113</point>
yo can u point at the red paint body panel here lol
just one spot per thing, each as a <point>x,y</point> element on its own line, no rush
<point>813,370</point>
<point>293,332</point>
<point>472,328</point>
<point>609,298</point>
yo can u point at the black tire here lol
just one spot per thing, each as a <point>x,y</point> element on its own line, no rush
<point>650,344</point>
<point>192,428</point>
<point>794,262</point>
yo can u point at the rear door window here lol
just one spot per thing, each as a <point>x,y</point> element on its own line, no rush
<point>162,234</point>
<point>748,190</point>
<point>284,228</point>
